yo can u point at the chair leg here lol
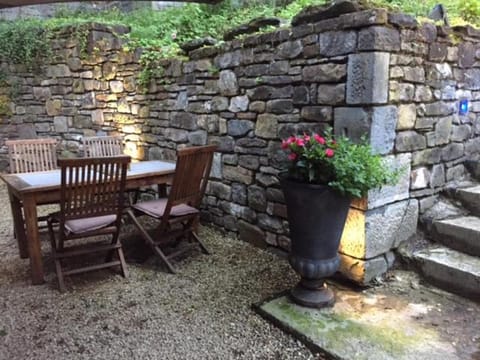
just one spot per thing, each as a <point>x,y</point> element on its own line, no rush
<point>201,243</point>
<point>150,242</point>
<point>58,270</point>
<point>123,264</point>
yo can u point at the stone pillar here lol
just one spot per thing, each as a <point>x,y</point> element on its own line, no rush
<point>378,223</point>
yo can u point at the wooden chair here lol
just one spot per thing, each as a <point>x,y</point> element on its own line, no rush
<point>91,204</point>
<point>178,215</point>
<point>31,155</point>
<point>103,146</point>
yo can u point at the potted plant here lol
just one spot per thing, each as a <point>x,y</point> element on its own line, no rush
<point>323,176</point>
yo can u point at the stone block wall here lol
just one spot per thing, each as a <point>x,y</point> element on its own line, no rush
<point>364,72</point>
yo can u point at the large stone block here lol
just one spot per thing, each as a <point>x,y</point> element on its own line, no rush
<point>370,233</point>
<point>379,38</point>
<point>239,127</point>
<point>362,271</point>
<point>351,122</point>
<point>267,126</point>
<point>367,79</point>
<point>382,132</point>
<point>227,83</point>
<point>399,191</point>
<point>324,73</point>
<point>335,43</point>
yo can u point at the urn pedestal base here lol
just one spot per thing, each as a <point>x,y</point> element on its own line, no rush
<point>312,293</point>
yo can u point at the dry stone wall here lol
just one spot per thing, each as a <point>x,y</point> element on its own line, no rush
<point>365,72</point>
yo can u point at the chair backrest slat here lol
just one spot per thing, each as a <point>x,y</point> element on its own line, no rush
<point>191,175</point>
<point>92,187</point>
<point>103,146</point>
<point>29,155</point>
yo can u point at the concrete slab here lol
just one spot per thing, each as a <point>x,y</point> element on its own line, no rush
<point>462,234</point>
<point>470,198</point>
<point>400,320</point>
<point>451,270</point>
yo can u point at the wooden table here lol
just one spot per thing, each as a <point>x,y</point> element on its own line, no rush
<point>36,188</point>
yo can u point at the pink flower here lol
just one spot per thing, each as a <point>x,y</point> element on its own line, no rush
<point>319,139</point>
<point>292,156</point>
<point>300,142</point>
<point>174,35</point>
<point>291,140</point>
<point>329,153</point>
<point>285,144</point>
<point>306,138</point>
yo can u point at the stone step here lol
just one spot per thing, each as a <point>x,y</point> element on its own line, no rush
<point>450,270</point>
<point>461,233</point>
<point>470,198</point>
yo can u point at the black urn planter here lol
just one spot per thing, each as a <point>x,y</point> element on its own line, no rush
<point>316,216</point>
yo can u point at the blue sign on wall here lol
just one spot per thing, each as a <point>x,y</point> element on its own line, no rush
<point>463,107</point>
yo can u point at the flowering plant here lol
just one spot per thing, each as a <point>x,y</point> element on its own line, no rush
<point>352,169</point>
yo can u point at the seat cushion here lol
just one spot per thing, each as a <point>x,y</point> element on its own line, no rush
<point>79,226</point>
<point>156,208</point>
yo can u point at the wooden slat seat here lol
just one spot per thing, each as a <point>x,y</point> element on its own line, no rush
<point>102,146</point>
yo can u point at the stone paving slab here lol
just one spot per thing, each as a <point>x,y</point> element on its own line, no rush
<point>395,321</point>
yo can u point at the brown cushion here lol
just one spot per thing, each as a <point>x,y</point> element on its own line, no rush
<point>156,208</point>
<point>79,226</point>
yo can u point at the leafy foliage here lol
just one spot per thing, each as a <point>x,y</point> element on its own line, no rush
<point>351,169</point>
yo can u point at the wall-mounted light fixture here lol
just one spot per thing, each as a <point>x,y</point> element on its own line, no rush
<point>463,107</point>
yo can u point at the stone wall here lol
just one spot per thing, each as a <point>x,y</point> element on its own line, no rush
<point>364,72</point>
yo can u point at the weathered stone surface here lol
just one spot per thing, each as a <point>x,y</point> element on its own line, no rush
<point>402,20</point>
<point>317,113</point>
<point>452,151</point>
<point>427,156</point>
<point>184,120</point>
<point>392,193</point>
<point>456,173</point>
<point>335,43</point>
<point>382,131</point>
<point>409,141</point>
<point>239,127</point>
<point>379,38</point>
<point>238,103</point>
<point>281,106</point>
<point>237,174</point>
<point>437,176</point>
<point>331,94</point>
<point>407,114</point>
<point>53,107</point>
<point>351,122</point>
<point>60,124</point>
<point>368,78</point>
<point>466,54</point>
<point>290,49</point>
<point>420,178</point>
<point>368,234</point>
<point>257,199</point>
<point>227,83</point>
<point>324,73</point>
<point>269,92</point>
<point>301,95</point>
<point>116,86</point>
<point>198,137</point>
<point>423,93</point>
<point>318,13</point>
<point>472,79</point>
<point>197,43</point>
<point>266,126</point>
<point>251,233</point>
<point>58,71</point>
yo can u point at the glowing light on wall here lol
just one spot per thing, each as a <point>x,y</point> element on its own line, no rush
<point>463,107</point>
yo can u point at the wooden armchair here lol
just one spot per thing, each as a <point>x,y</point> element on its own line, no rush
<point>31,155</point>
<point>103,146</point>
<point>179,214</point>
<point>91,204</point>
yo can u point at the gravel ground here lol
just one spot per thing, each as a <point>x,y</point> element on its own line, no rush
<point>202,312</point>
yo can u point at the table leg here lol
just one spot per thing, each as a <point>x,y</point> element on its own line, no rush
<point>19,225</point>
<point>34,249</point>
